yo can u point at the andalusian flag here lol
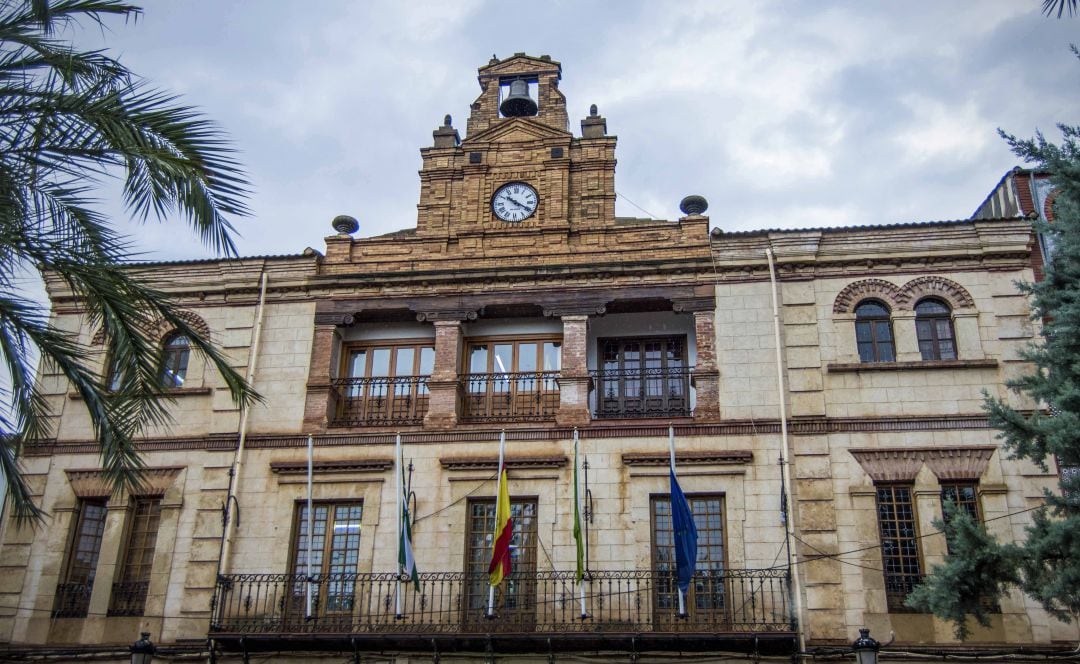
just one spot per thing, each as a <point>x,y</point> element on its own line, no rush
<point>504,526</point>
<point>406,562</point>
<point>578,540</point>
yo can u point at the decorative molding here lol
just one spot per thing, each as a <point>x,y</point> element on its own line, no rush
<point>334,318</point>
<point>689,305</point>
<point>339,466</point>
<point>847,299</point>
<point>917,365</point>
<point>560,309</point>
<point>902,465</point>
<point>446,314</point>
<point>804,426</point>
<point>95,483</point>
<point>718,458</point>
<point>491,463</point>
<point>939,287</point>
<point>157,330</point>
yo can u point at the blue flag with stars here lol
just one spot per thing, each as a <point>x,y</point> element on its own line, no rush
<point>684,534</point>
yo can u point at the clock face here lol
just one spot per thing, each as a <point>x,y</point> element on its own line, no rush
<point>514,201</point>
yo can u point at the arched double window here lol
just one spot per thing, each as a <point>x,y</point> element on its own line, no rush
<point>174,360</point>
<point>873,332</point>
<point>933,325</point>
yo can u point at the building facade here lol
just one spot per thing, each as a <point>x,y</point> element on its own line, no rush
<point>520,305</point>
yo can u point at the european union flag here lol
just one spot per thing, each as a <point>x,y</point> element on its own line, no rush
<point>685,535</point>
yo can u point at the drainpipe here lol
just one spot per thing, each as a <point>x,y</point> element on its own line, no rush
<point>785,455</point>
<point>238,458</point>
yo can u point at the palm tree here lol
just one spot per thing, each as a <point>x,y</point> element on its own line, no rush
<point>1059,7</point>
<point>69,119</point>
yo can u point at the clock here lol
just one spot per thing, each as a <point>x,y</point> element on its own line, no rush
<point>514,201</point>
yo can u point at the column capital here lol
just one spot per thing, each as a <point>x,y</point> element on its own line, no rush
<point>454,315</point>
<point>574,309</point>
<point>333,318</point>
<point>693,305</point>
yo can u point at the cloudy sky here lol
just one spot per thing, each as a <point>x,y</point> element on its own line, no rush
<point>783,114</point>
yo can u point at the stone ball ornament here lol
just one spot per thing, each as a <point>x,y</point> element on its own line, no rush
<point>693,204</point>
<point>345,225</point>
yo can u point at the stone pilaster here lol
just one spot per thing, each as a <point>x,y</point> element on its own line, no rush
<point>321,400</point>
<point>574,374</point>
<point>443,386</point>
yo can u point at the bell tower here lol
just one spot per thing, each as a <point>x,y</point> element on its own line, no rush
<point>519,174</point>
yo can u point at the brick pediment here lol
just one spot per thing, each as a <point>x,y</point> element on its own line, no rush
<point>516,130</point>
<point>902,465</point>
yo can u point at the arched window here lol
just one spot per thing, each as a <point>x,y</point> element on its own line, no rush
<point>873,332</point>
<point>174,360</point>
<point>933,325</point>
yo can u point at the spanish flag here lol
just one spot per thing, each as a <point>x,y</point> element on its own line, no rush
<point>504,526</point>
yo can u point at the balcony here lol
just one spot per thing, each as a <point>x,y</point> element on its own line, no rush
<point>72,600</point>
<point>510,397</point>
<point>380,401</point>
<point>128,599</point>
<point>635,608</point>
<point>642,392</point>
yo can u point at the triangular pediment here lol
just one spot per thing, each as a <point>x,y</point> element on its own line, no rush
<point>515,130</point>
<point>520,63</point>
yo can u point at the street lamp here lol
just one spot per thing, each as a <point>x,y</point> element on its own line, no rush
<point>142,651</point>
<point>865,647</point>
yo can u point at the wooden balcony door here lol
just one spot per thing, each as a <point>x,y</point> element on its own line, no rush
<point>515,598</point>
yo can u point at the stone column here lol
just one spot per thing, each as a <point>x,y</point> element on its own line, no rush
<point>904,337</point>
<point>444,385</point>
<point>574,374</point>
<point>321,399</point>
<point>706,376</point>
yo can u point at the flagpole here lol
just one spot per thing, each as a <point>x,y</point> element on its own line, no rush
<point>671,449</point>
<point>397,490</point>
<point>577,521</point>
<point>498,478</point>
<point>310,517</point>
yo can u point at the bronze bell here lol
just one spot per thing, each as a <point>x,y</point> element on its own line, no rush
<point>518,104</point>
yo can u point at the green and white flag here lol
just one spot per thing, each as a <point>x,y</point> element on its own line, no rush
<point>577,516</point>
<point>406,562</point>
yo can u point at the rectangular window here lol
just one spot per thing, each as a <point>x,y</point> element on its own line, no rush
<point>900,556</point>
<point>385,384</point>
<point>515,379</point>
<point>705,602</point>
<point>964,495</point>
<point>643,377</point>
<point>516,596</point>
<point>133,580</point>
<point>334,554</point>
<point>73,591</point>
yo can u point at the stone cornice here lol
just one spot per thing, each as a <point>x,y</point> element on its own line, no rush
<point>902,465</point>
<point>688,458</point>
<point>94,483</point>
<point>916,365</point>
<point>338,466</point>
<point>491,463</point>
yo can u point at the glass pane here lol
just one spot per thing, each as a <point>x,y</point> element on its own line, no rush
<point>357,363</point>
<point>503,358</point>
<point>427,361</point>
<point>478,359</point>
<point>871,310</point>
<point>380,362</point>
<point>862,332</point>
<point>552,355</point>
<point>882,331</point>
<point>526,357</point>
<point>931,308</point>
<point>403,363</point>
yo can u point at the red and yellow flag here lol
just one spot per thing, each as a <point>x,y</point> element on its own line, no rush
<point>504,530</point>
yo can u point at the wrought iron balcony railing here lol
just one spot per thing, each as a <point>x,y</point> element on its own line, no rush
<point>644,392</point>
<point>453,603</point>
<point>382,400</point>
<point>510,397</point>
<point>72,600</point>
<point>128,599</point>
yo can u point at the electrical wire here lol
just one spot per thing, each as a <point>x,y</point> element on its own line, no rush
<point>651,215</point>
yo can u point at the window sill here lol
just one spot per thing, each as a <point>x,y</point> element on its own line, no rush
<point>172,392</point>
<point>919,365</point>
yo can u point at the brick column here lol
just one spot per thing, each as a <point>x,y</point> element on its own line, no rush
<point>321,400</point>
<point>574,374</point>
<point>444,385</point>
<point>706,376</point>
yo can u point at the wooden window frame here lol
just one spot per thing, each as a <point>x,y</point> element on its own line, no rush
<point>872,324</point>
<point>895,598</point>
<point>174,361</point>
<point>671,403</point>
<point>73,595</point>
<point>703,577</point>
<point>522,582</point>
<point>933,341</point>
<point>392,399</point>
<point>394,346</point>
<point>130,588</point>
<point>511,395</point>
<point>345,587</point>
